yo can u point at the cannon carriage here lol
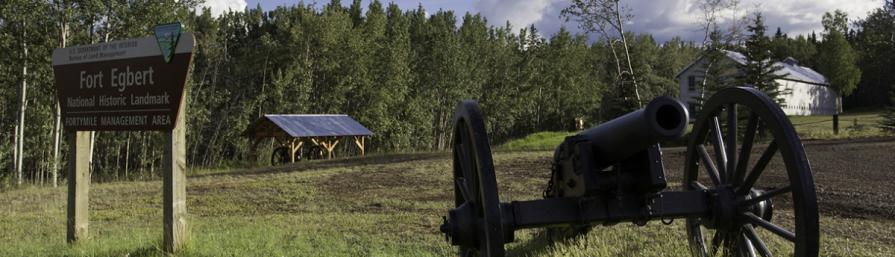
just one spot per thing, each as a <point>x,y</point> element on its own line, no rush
<point>615,173</point>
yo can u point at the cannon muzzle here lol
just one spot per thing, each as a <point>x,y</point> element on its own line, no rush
<point>613,141</point>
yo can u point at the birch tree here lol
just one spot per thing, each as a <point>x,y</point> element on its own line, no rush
<point>607,19</point>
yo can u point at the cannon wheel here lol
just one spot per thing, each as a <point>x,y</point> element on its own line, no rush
<point>740,222</point>
<point>314,152</point>
<point>475,182</point>
<point>279,156</point>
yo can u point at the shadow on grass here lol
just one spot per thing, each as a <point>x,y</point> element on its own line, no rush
<point>335,163</point>
<point>145,251</point>
<point>544,241</point>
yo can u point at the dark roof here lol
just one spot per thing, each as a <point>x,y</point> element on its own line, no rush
<point>308,125</point>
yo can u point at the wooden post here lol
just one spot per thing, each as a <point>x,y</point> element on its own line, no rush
<point>359,140</point>
<point>836,115</point>
<point>294,146</point>
<point>291,153</point>
<point>836,124</point>
<point>331,145</point>
<point>78,185</point>
<point>174,165</point>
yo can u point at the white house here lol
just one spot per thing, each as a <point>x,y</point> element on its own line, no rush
<point>810,91</point>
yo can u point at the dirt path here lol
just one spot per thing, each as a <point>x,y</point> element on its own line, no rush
<point>854,179</point>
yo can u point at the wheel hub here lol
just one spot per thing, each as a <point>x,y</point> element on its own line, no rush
<point>763,209</point>
<point>723,204</point>
<point>726,209</point>
<point>459,226</point>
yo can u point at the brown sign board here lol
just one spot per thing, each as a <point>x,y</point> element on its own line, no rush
<point>121,85</point>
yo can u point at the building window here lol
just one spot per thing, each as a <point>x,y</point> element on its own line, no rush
<point>691,83</point>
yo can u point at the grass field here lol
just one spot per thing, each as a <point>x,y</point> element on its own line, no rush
<point>852,125</point>
<point>391,205</point>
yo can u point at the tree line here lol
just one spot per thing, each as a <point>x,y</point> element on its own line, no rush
<point>398,72</point>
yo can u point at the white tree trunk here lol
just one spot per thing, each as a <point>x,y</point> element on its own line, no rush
<point>621,33</point>
<point>22,106</point>
<point>57,129</point>
<point>15,151</point>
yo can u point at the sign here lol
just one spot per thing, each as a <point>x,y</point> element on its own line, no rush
<point>124,85</point>
<point>167,36</point>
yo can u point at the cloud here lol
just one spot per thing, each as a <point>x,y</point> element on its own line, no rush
<point>669,18</point>
<point>518,13</point>
<point>219,7</point>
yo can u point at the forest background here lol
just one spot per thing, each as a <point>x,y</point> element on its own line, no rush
<point>398,72</point>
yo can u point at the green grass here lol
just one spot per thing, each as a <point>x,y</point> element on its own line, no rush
<point>386,205</point>
<point>537,141</point>
<point>851,125</point>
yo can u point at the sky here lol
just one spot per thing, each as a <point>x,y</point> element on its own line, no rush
<point>663,19</point>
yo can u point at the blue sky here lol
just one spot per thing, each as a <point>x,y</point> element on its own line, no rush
<point>663,19</point>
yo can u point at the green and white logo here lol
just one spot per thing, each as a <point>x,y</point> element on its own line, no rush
<point>167,36</point>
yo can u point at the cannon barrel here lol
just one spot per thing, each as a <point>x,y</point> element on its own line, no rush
<point>613,141</point>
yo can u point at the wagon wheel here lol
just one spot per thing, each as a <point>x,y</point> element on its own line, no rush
<point>279,156</point>
<point>741,221</point>
<point>314,153</point>
<point>475,223</point>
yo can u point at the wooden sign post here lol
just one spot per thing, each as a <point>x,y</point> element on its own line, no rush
<point>128,85</point>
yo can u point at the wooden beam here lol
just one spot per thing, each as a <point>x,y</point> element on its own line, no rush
<point>359,141</point>
<point>174,190</point>
<point>328,144</point>
<point>78,186</point>
<point>291,155</point>
<point>294,145</point>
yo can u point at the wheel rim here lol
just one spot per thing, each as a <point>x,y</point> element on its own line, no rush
<point>475,183</point>
<point>279,156</point>
<point>735,228</point>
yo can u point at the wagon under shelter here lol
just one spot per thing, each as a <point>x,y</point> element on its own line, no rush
<point>320,132</point>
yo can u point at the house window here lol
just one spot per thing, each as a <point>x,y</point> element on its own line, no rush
<point>691,83</point>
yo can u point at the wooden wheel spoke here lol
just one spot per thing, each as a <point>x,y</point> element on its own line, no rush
<point>756,241</point>
<point>745,246</point>
<point>718,141</point>
<point>758,169</point>
<point>468,172</point>
<point>709,165</point>
<point>465,160</point>
<point>731,142</point>
<point>717,241</point>
<point>697,185</point>
<point>464,189</point>
<point>693,224</point>
<point>773,228</point>
<point>746,150</point>
<point>765,196</point>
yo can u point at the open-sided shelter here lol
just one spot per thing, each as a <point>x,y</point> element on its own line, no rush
<point>295,130</point>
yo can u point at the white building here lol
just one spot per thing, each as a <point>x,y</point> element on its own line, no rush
<point>810,91</point>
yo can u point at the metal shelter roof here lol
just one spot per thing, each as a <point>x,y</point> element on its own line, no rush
<point>308,125</point>
<point>790,69</point>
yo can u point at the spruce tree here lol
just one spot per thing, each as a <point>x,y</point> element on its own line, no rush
<point>759,70</point>
<point>717,69</point>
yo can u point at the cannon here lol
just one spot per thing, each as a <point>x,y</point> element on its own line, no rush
<point>733,203</point>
